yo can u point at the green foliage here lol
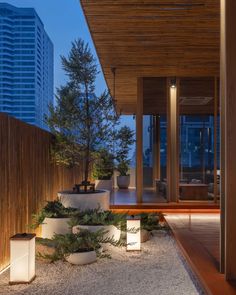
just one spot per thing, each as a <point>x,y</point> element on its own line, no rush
<point>104,165</point>
<point>97,217</point>
<point>83,241</point>
<point>123,167</point>
<point>124,139</point>
<point>81,122</point>
<point>150,221</point>
<point>53,209</point>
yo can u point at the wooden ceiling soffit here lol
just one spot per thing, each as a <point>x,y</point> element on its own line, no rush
<point>147,38</point>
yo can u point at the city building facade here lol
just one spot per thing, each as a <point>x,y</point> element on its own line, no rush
<point>26,65</point>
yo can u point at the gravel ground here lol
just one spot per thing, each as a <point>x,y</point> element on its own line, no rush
<point>158,269</point>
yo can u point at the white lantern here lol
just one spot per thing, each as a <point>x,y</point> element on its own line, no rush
<point>22,261</point>
<point>133,233</point>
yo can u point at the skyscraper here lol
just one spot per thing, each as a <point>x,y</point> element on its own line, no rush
<point>26,65</point>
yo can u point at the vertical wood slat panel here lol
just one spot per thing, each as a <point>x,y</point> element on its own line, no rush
<point>139,141</point>
<point>27,178</point>
<point>228,137</point>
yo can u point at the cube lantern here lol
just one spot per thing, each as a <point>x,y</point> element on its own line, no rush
<point>22,261</point>
<point>133,233</point>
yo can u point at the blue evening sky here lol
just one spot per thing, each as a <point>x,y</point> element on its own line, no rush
<point>64,22</point>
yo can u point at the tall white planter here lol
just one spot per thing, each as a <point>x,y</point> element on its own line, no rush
<point>86,201</point>
<point>104,184</point>
<point>112,231</point>
<point>53,226</point>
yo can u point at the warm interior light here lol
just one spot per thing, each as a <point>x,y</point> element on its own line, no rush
<point>133,233</point>
<point>173,83</point>
<point>22,262</point>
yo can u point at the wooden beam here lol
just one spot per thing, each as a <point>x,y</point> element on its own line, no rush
<point>172,143</point>
<point>228,108</point>
<point>139,140</point>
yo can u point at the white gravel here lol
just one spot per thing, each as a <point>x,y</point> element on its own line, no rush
<point>158,269</point>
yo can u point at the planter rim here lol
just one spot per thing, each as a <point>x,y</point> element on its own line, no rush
<point>98,225</point>
<point>57,218</point>
<point>101,191</point>
<point>103,179</point>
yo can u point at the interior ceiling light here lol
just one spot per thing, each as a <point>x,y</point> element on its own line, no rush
<point>173,82</point>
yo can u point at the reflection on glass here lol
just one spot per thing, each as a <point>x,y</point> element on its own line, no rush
<point>196,157</point>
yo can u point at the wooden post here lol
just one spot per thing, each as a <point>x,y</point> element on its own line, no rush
<point>172,143</point>
<point>139,141</point>
<point>156,149</point>
<point>222,136</point>
<point>228,135</point>
<point>215,138</point>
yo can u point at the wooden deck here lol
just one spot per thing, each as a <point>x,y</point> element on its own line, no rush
<point>198,237</point>
<point>126,199</point>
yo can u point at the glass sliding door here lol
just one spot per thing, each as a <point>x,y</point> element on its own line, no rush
<point>197,140</point>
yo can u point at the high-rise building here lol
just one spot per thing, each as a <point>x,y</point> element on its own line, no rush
<point>26,65</point>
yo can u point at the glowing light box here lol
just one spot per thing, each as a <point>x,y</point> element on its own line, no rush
<point>133,233</point>
<point>22,261</point>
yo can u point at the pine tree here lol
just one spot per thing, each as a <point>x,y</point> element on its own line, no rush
<point>82,123</point>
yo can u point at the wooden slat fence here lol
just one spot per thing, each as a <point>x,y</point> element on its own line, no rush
<point>27,178</point>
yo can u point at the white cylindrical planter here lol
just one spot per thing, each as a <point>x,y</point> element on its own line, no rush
<point>112,231</point>
<point>86,201</point>
<point>82,258</point>
<point>104,184</point>
<point>22,261</point>
<point>53,226</point>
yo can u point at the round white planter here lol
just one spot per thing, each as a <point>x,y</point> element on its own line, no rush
<point>112,231</point>
<point>104,184</point>
<point>53,226</point>
<point>86,201</point>
<point>82,258</point>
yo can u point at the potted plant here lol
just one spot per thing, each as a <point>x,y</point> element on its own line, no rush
<point>149,222</point>
<point>81,123</point>
<point>124,140</point>
<point>103,170</point>
<point>53,218</point>
<point>80,248</point>
<point>96,220</point>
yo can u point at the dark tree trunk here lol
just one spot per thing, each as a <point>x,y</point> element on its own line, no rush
<point>87,153</point>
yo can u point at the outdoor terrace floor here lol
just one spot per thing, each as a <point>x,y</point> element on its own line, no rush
<point>198,237</point>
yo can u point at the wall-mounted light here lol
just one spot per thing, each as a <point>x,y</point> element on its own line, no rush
<point>133,233</point>
<point>22,261</point>
<point>173,82</point>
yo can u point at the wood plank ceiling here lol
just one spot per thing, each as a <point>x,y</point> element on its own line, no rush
<point>153,38</point>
